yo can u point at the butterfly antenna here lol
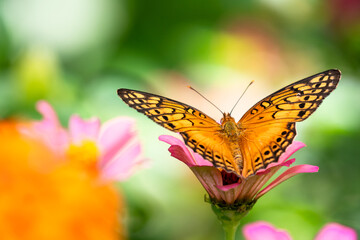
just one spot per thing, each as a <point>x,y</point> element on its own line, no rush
<point>242,95</point>
<point>205,98</point>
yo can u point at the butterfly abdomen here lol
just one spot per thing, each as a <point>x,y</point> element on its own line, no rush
<point>238,159</point>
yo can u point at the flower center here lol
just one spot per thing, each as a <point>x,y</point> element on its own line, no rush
<point>85,156</point>
<point>229,178</point>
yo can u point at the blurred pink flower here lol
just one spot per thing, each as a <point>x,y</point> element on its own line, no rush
<point>227,188</point>
<point>115,144</point>
<point>263,230</point>
<point>335,231</point>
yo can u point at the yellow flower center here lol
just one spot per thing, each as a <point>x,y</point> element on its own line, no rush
<point>84,156</point>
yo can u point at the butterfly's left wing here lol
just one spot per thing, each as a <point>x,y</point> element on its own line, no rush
<point>200,132</point>
<point>268,128</point>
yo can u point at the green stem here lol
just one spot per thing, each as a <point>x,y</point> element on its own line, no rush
<point>230,216</point>
<point>230,228</point>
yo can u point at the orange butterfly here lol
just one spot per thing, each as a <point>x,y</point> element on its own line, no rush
<point>258,139</point>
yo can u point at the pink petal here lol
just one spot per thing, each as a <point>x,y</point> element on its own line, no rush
<point>335,231</point>
<point>288,174</point>
<point>269,169</point>
<point>288,162</point>
<point>295,146</point>
<point>80,129</point>
<point>264,231</point>
<point>210,178</point>
<point>179,151</point>
<point>227,187</point>
<point>123,164</point>
<point>114,135</point>
<point>48,113</point>
<point>49,130</point>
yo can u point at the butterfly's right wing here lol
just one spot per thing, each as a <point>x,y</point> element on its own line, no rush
<point>200,132</point>
<point>268,128</point>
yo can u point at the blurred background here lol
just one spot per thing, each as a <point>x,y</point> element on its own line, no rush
<point>76,54</point>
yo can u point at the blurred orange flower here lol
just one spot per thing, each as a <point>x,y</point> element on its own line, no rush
<point>45,197</point>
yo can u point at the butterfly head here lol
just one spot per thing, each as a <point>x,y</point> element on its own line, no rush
<point>229,126</point>
<point>226,117</point>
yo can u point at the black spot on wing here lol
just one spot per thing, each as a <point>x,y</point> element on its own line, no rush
<point>301,113</point>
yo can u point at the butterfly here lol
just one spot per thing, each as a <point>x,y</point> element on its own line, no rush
<point>256,140</point>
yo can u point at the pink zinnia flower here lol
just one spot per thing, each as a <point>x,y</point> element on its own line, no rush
<point>227,189</point>
<point>114,147</point>
<point>263,230</point>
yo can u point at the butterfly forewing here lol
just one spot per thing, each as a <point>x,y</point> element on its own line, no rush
<point>293,103</point>
<point>269,126</point>
<point>200,132</point>
<point>170,114</point>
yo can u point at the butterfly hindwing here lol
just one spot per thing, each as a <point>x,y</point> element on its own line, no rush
<point>200,132</point>
<point>264,145</point>
<point>278,112</point>
<point>213,147</point>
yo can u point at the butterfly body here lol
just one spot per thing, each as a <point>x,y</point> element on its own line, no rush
<point>252,143</point>
<point>230,130</point>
